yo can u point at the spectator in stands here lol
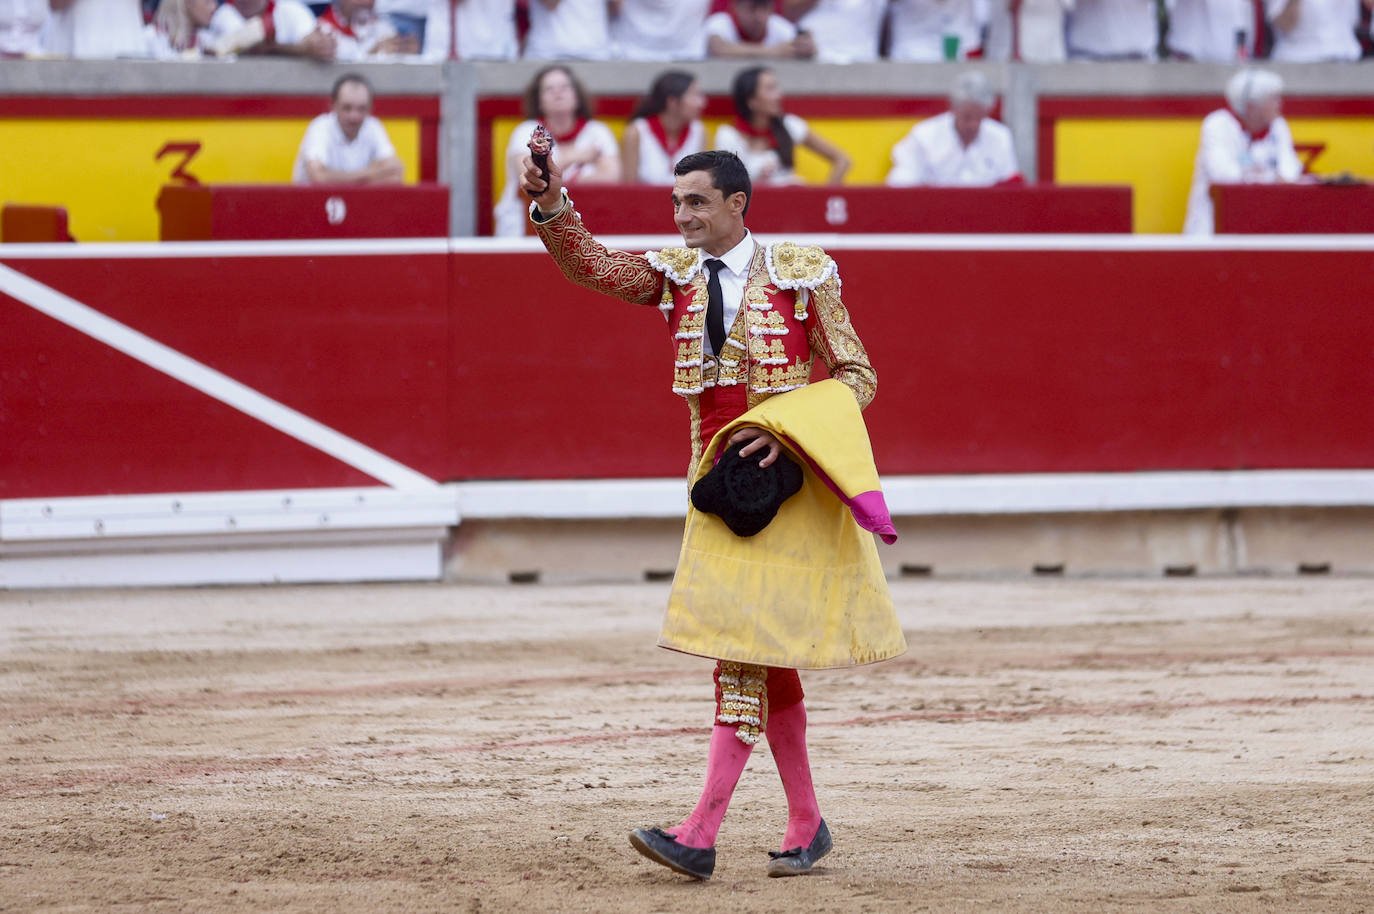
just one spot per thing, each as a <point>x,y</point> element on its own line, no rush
<point>485,30</point>
<point>962,147</point>
<point>21,27</point>
<point>665,126</point>
<point>845,31</point>
<point>347,145</point>
<point>930,30</point>
<point>283,27</point>
<point>1246,142</point>
<point>359,33</point>
<point>1209,30</point>
<point>585,149</point>
<point>765,137</point>
<point>94,29</point>
<point>660,29</point>
<point>569,30</point>
<point>750,28</point>
<point>1113,30</point>
<point>180,29</point>
<point>1307,31</point>
<point>407,17</point>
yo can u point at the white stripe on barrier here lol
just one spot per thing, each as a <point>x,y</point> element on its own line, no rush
<point>1020,493</point>
<point>835,242</point>
<point>208,381</point>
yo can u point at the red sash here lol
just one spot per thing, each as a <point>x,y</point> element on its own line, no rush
<point>670,146</point>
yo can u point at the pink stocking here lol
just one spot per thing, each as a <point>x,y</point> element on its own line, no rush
<point>786,733</point>
<point>724,764</point>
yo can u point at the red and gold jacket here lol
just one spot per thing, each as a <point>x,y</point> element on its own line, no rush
<point>791,313</point>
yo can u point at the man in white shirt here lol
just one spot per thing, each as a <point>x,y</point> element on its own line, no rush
<point>269,27</point>
<point>94,29</point>
<point>845,31</point>
<point>348,145</point>
<point>1245,143</point>
<point>660,29</point>
<point>568,30</point>
<point>485,30</point>
<point>1308,31</point>
<point>1114,30</point>
<point>1209,30</point>
<point>961,148</point>
<point>359,33</point>
<point>751,29</point>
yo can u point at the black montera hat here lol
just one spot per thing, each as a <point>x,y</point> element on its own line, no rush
<point>743,494</point>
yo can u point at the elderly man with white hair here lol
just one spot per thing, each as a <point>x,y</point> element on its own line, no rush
<point>1246,142</point>
<point>962,147</point>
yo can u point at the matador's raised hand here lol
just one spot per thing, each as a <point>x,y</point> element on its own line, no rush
<point>547,196</point>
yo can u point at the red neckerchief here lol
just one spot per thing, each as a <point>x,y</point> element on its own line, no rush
<point>739,29</point>
<point>331,17</point>
<point>670,146</point>
<point>762,133</point>
<point>1256,136</point>
<point>571,136</point>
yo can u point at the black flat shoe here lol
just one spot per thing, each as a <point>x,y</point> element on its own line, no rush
<point>799,860</point>
<point>662,848</point>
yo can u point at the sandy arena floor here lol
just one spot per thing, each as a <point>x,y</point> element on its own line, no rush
<point>1171,745</point>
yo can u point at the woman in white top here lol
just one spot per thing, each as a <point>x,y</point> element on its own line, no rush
<point>584,149</point>
<point>766,137</point>
<point>180,29</point>
<point>665,126</point>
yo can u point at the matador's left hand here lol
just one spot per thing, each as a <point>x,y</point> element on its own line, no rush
<point>761,440</point>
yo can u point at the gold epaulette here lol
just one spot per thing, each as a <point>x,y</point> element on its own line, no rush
<point>796,266</point>
<point>678,264</point>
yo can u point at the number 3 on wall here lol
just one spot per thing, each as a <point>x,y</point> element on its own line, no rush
<point>188,152</point>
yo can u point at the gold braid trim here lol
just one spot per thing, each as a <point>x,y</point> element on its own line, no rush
<point>744,699</point>
<point>588,263</point>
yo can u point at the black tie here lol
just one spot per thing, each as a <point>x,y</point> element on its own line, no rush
<point>715,307</point>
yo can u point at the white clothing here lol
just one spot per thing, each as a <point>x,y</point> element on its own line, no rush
<point>660,29</point>
<point>96,29</point>
<point>1041,39</point>
<point>763,164</point>
<point>291,19</point>
<point>417,8</point>
<point>159,46</point>
<point>655,163</point>
<point>510,210</point>
<point>722,25</point>
<point>21,25</point>
<point>845,31</point>
<point>732,277</point>
<point>1206,29</point>
<point>486,30</point>
<point>575,29</point>
<point>931,154</point>
<point>362,44</point>
<point>1226,154</point>
<point>325,143</point>
<point>1105,29</point>
<point>919,28</point>
<point>1325,31</point>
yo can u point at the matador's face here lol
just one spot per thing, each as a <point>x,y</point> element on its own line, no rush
<point>704,215</point>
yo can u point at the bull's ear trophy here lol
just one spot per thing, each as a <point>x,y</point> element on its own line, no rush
<point>541,144</point>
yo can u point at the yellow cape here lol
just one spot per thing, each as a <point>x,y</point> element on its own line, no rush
<point>808,592</point>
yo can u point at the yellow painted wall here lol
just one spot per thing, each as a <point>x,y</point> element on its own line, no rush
<point>1155,156</point>
<point>105,172</point>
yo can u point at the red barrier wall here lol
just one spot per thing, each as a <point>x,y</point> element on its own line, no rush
<point>490,365</point>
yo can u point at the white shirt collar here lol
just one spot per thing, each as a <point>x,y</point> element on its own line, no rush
<point>738,258</point>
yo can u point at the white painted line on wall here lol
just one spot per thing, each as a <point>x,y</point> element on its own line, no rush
<point>208,381</point>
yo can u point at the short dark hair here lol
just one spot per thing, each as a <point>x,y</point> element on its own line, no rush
<point>728,174</point>
<point>347,78</point>
<point>585,104</point>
